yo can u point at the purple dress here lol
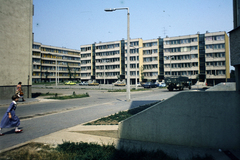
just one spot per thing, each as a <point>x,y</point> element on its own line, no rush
<point>14,121</point>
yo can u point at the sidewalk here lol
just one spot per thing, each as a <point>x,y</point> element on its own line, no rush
<point>107,135</point>
<point>6,102</point>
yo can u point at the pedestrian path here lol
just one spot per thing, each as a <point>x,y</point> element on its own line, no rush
<point>107,135</point>
<point>82,133</point>
<point>5,102</point>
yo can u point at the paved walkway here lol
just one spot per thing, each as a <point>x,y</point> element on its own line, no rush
<point>6,102</point>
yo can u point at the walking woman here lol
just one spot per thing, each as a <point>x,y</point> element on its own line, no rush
<point>19,90</point>
<point>9,119</point>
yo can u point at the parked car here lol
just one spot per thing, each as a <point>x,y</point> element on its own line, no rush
<point>69,83</point>
<point>149,85</point>
<point>162,85</point>
<point>83,83</point>
<point>119,83</point>
<point>93,84</point>
<point>139,84</point>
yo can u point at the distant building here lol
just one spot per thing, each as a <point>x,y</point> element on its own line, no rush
<point>202,57</point>
<point>15,47</point>
<point>45,57</point>
<point>235,42</point>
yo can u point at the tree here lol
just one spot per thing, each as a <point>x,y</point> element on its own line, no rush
<point>46,75</point>
<point>142,74</point>
<point>69,72</point>
<point>74,74</point>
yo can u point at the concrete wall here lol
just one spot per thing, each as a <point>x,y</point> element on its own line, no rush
<point>191,119</point>
<point>15,45</point>
<point>235,54</point>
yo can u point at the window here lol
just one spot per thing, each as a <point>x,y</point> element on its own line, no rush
<point>194,48</point>
<point>35,46</point>
<point>154,51</point>
<point>134,43</point>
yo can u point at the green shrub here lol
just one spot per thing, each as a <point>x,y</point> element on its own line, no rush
<point>69,96</point>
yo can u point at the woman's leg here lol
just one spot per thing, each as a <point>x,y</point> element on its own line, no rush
<point>18,130</point>
<point>1,134</point>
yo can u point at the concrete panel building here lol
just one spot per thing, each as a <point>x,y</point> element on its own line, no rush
<point>15,46</point>
<point>181,56</point>
<point>47,58</point>
<point>107,62</point>
<point>201,57</point>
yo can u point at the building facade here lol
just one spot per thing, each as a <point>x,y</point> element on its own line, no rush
<point>15,47</point>
<point>201,57</point>
<point>51,63</point>
<point>235,41</point>
<point>107,62</point>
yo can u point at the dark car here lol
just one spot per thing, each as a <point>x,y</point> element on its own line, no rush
<point>149,85</point>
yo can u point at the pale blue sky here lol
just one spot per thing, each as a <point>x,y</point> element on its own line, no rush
<point>71,23</point>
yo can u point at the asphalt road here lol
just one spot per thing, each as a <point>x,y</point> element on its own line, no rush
<point>46,117</point>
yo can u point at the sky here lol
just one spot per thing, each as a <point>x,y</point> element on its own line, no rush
<point>72,23</point>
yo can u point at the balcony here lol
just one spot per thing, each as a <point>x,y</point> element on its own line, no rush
<point>208,76</point>
<point>35,56</point>
<point>181,69</point>
<point>214,59</point>
<point>36,70</point>
<point>86,71</point>
<point>216,67</point>
<point>214,50</point>
<point>85,77</point>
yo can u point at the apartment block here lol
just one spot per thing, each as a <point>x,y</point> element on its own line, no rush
<point>51,63</point>
<point>181,56</point>
<point>152,60</point>
<point>217,57</point>
<point>107,62</point>
<point>201,57</point>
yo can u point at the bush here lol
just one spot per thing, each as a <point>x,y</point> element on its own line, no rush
<point>69,96</point>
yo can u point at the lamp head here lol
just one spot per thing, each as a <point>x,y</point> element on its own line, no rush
<point>109,9</point>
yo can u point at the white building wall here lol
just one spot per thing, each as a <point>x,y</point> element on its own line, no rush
<point>15,46</point>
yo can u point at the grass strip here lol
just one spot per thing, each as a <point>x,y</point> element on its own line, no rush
<point>69,96</point>
<point>132,90</point>
<point>85,151</point>
<point>48,94</point>
<point>120,116</point>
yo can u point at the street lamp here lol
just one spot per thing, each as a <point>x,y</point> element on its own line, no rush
<point>171,65</point>
<point>128,48</point>
<point>104,69</point>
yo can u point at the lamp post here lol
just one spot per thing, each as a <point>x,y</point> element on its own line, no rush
<point>56,73</point>
<point>171,65</point>
<point>136,73</point>
<point>104,69</point>
<point>128,48</point>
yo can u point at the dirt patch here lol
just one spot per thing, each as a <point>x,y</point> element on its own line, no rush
<point>104,133</point>
<point>103,122</point>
